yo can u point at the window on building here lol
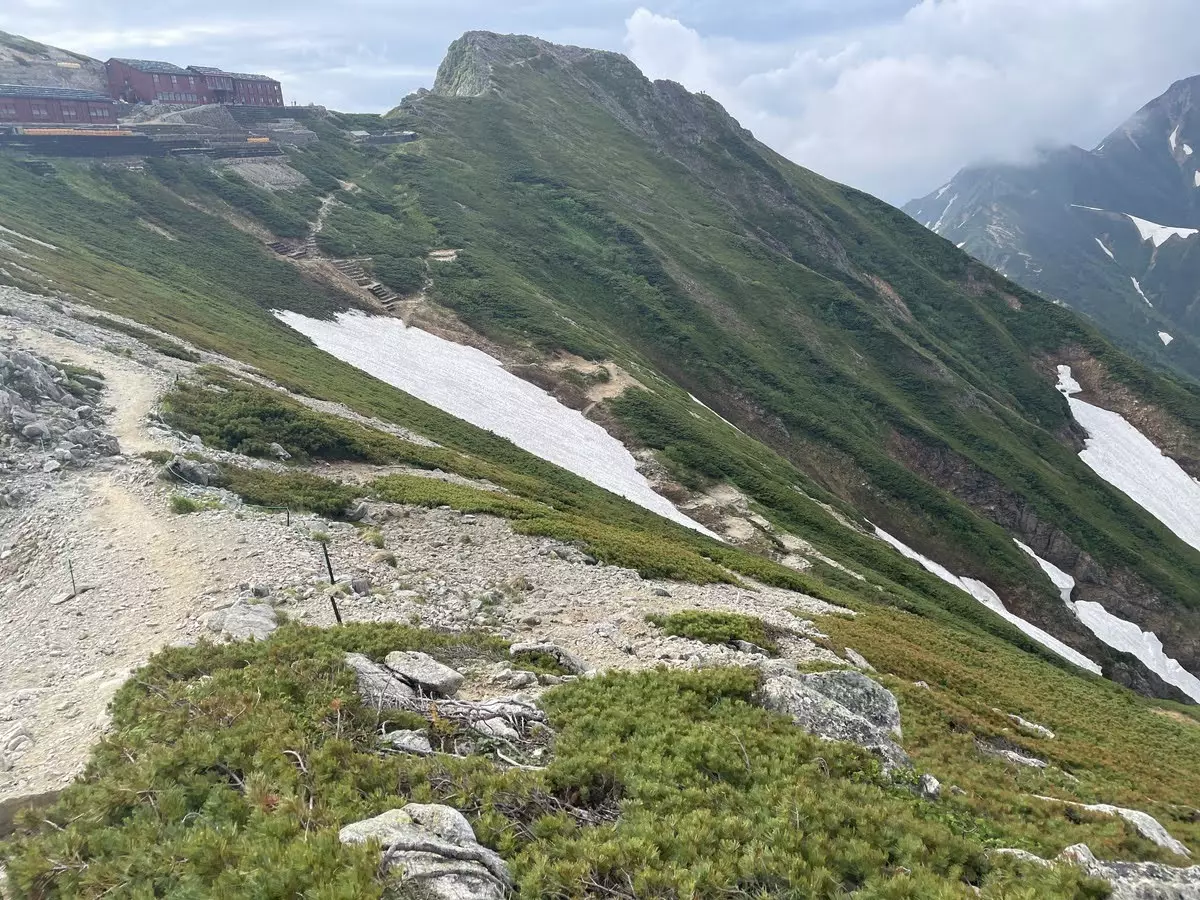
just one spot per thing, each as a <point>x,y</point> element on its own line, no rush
<point>69,113</point>
<point>39,111</point>
<point>174,81</point>
<point>191,81</point>
<point>8,111</point>
<point>155,77</point>
<point>99,112</point>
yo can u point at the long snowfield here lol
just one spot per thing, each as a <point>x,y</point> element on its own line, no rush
<point>1129,461</point>
<point>473,386</point>
<point>1120,634</point>
<point>992,601</point>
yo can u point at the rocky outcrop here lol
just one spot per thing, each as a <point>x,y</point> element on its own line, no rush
<point>1009,755</point>
<point>243,621</point>
<point>1144,823</point>
<point>1127,880</point>
<point>191,471</point>
<point>432,852</point>
<point>379,687</point>
<point>48,419</point>
<point>1137,881</point>
<point>840,706</point>
<point>424,673</point>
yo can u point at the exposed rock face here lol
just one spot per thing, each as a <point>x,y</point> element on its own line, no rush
<point>1119,591</point>
<point>1137,881</point>
<point>243,621</point>
<point>929,787</point>
<point>425,673</point>
<point>869,721</point>
<point>378,686</point>
<point>434,850</point>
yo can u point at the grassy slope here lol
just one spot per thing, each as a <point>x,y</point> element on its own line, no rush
<point>230,769</point>
<point>718,265</point>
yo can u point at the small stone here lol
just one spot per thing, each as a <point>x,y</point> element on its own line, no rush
<point>51,465</point>
<point>857,660</point>
<point>498,728</point>
<point>360,585</point>
<point>929,787</point>
<point>661,592</point>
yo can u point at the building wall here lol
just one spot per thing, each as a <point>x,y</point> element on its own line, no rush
<point>257,93</point>
<point>34,111</point>
<point>136,86</point>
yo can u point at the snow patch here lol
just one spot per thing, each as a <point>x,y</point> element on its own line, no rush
<point>1197,178</point>
<point>1120,634</point>
<point>1159,234</point>
<point>992,601</point>
<point>937,226</point>
<point>1187,150</point>
<point>1129,461</point>
<point>1127,637</point>
<point>961,244</point>
<point>945,187</point>
<point>1092,208</point>
<point>471,385</point>
<point>715,413</point>
<point>1137,287</point>
<point>1173,139</point>
<point>1165,338</point>
<point>1105,249</point>
<point>1064,582</point>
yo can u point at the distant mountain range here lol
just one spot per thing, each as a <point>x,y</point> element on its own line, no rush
<point>1113,232</point>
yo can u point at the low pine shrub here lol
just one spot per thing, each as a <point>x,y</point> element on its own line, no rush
<point>718,628</point>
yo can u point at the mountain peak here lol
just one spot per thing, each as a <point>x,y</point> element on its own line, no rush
<point>471,61</point>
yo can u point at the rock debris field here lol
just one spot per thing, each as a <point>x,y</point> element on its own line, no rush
<point>145,577</point>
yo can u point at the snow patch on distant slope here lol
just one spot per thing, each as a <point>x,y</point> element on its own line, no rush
<point>1138,287</point>
<point>1187,149</point>
<point>471,385</point>
<point>1197,178</point>
<point>992,601</point>
<point>1064,582</point>
<point>1127,637</point>
<point>1126,459</point>
<point>1173,139</point>
<point>945,187</point>
<point>1165,338</point>
<point>937,226</point>
<point>1118,633</point>
<point>1159,234</point>
<point>1105,249</point>
<point>715,413</point>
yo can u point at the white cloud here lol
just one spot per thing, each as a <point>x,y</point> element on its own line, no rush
<point>896,106</point>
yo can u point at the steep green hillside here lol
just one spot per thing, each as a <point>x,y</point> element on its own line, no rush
<point>613,217</point>
<point>869,366</point>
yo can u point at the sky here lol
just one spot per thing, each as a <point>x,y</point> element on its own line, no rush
<point>891,96</point>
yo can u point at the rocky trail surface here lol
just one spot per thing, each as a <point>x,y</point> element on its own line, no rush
<point>145,577</point>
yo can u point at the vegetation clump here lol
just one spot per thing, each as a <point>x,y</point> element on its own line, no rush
<point>714,627</point>
<point>290,490</point>
<point>183,504</point>
<point>229,770</point>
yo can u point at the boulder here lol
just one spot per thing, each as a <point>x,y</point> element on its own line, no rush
<point>569,661</point>
<point>360,586</point>
<point>415,742</point>
<point>36,431</point>
<point>357,512</point>
<point>1011,756</point>
<point>821,715</point>
<point>857,660</point>
<point>424,672</point>
<point>379,687</point>
<point>243,621</point>
<point>433,850</point>
<point>1031,727</point>
<point>859,694</point>
<point>278,451</point>
<point>497,727</point>
<point>192,471</point>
